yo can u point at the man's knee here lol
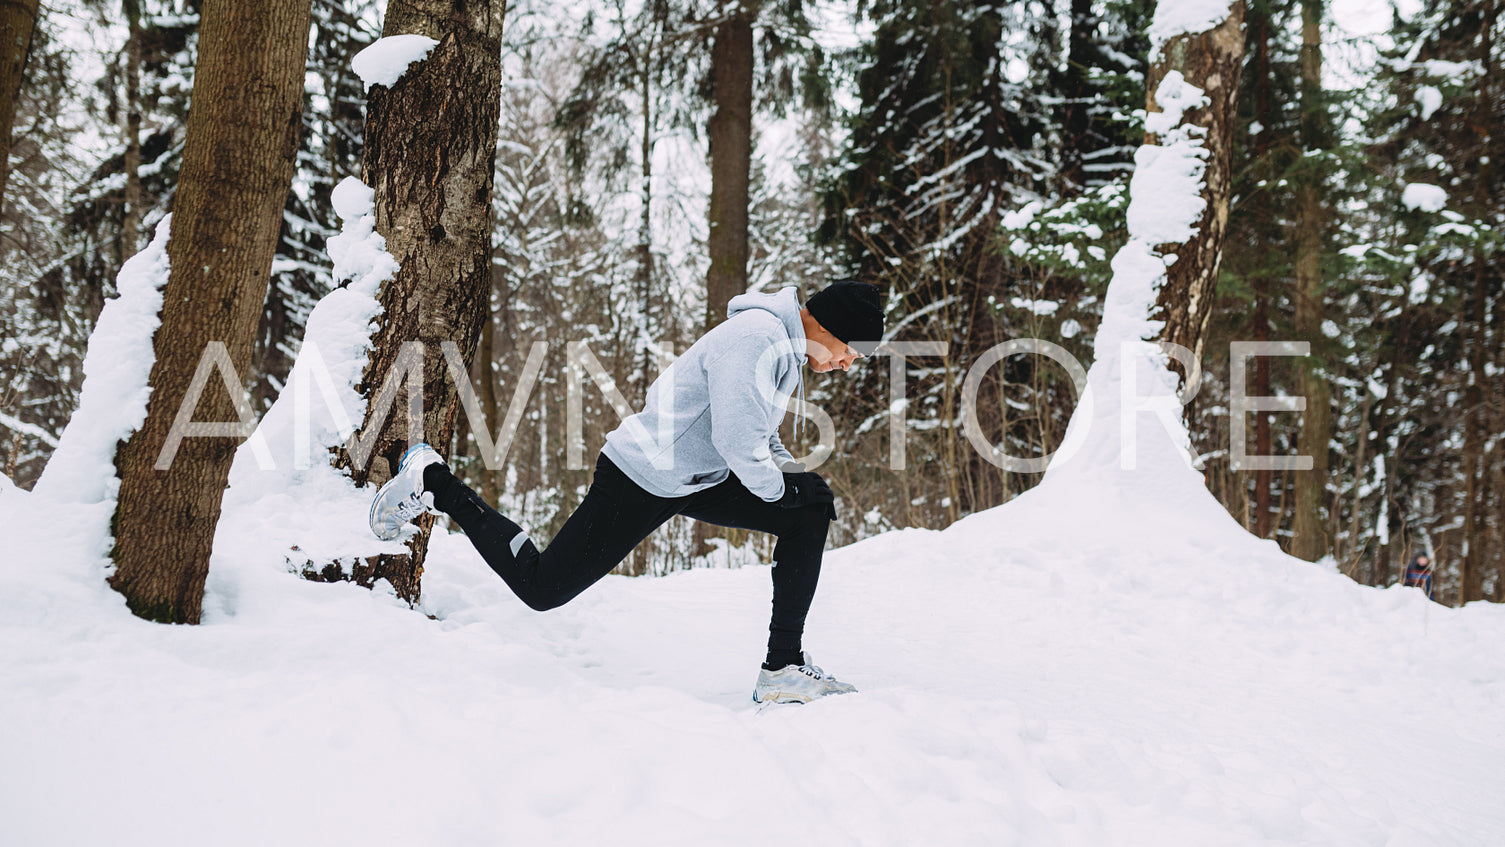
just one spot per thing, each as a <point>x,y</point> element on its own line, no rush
<point>814,518</point>
<point>540,601</point>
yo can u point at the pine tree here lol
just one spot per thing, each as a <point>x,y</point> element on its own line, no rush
<point>63,257</point>
<point>948,139</point>
<point>1438,146</point>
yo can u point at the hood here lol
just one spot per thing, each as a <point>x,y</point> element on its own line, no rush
<point>784,305</point>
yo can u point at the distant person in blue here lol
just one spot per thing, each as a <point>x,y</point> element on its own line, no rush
<point>706,446</point>
<point>1419,573</point>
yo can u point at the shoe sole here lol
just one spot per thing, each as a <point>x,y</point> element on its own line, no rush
<point>402,465</point>
<point>779,699</point>
<point>782,697</point>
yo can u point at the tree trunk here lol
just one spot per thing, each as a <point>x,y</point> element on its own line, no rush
<point>1355,549</point>
<point>1475,468</point>
<point>643,273</point>
<point>241,138</point>
<point>1310,542</point>
<point>486,374</point>
<point>1211,61</point>
<point>1077,97</point>
<point>18,20</point>
<point>731,163</point>
<point>1260,285</point>
<point>731,178</point>
<point>430,153</point>
<point>130,226</point>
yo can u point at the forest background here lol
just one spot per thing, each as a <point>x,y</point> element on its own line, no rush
<point>970,159</point>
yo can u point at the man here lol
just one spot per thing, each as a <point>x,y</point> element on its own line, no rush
<point>705,445</point>
<point>1419,573</point>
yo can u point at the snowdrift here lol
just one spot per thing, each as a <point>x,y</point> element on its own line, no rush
<point>1050,672</point>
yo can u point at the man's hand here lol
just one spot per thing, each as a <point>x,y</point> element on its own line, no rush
<point>807,489</point>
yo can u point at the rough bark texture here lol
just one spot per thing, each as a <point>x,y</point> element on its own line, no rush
<point>1311,541</point>
<point>731,163</point>
<point>1259,204</point>
<point>1211,61</point>
<point>130,226</point>
<point>18,20</point>
<point>242,134</point>
<point>430,153</point>
<point>485,374</point>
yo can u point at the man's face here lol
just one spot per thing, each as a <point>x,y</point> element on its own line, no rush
<point>824,352</point>
<point>1423,561</point>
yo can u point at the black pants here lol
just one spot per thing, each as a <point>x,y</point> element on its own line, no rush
<point>615,516</point>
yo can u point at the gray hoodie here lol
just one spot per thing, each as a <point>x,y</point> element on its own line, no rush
<point>717,409</point>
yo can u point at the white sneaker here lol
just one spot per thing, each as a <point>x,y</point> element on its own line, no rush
<point>402,498</point>
<point>797,684</point>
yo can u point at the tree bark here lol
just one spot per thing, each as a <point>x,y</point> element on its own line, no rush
<point>18,20</point>
<point>486,375</point>
<point>1311,542</point>
<point>1211,61</point>
<point>130,226</point>
<point>429,156</point>
<point>1260,284</point>
<point>241,138</point>
<point>1475,469</point>
<point>731,163</point>
<point>1077,92</point>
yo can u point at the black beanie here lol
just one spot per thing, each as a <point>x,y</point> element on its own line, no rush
<point>852,311</point>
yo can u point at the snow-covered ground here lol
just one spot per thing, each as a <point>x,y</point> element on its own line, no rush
<point>1107,660</point>
<point>1060,670</point>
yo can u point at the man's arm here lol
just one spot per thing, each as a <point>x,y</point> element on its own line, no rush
<point>781,455</point>
<point>741,416</point>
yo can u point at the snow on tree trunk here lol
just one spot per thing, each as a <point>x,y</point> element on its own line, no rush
<point>285,497</point>
<point>1209,62</point>
<point>112,403</point>
<point>430,155</point>
<point>242,135</point>
<point>1128,435</point>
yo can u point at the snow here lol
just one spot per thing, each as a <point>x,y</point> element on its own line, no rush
<point>1430,100</point>
<point>112,401</point>
<point>1165,200</point>
<point>1035,307</point>
<point>1181,17</point>
<point>1025,679</point>
<point>1420,195</point>
<point>387,59</point>
<point>1021,218</point>
<point>285,502</point>
<point>1108,659</point>
<point>1457,72</point>
<point>18,425</point>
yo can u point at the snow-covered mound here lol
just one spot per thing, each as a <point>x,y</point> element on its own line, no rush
<point>1060,670</point>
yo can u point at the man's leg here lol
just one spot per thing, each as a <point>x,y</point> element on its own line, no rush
<point>796,556</point>
<point>615,515</point>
